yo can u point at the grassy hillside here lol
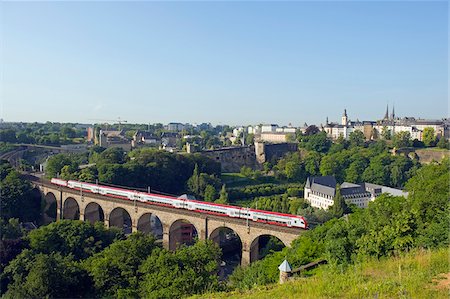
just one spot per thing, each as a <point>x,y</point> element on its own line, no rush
<point>423,274</point>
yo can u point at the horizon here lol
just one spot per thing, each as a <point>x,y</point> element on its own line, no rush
<point>223,63</point>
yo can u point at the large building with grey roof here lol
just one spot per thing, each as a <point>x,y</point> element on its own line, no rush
<point>321,190</point>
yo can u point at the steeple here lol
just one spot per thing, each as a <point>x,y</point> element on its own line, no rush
<point>344,118</point>
<point>327,120</point>
<point>393,113</point>
<point>386,115</point>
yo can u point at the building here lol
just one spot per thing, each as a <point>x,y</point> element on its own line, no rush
<point>320,192</point>
<point>176,127</point>
<point>375,129</point>
<point>169,139</point>
<point>274,137</point>
<point>109,139</point>
<point>141,138</point>
<point>269,128</point>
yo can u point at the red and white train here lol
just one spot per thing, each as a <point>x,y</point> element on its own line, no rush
<point>188,204</point>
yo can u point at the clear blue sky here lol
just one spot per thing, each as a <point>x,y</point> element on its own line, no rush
<point>234,63</point>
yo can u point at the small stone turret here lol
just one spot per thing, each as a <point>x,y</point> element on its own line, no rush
<point>285,271</point>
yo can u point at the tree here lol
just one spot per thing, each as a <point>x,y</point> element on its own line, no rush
<point>46,276</point>
<point>428,136</point>
<point>194,181</point>
<point>339,206</point>
<point>210,193</point>
<point>72,237</point>
<point>249,139</point>
<point>386,133</point>
<point>402,139</point>
<point>356,138</point>
<point>57,162</point>
<point>354,172</point>
<point>8,135</point>
<point>187,271</point>
<point>115,269</point>
<point>443,143</point>
<point>378,170</point>
<point>223,196</point>
<point>312,164</point>
<point>18,199</point>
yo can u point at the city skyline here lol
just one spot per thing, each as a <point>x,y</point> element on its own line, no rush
<point>223,63</point>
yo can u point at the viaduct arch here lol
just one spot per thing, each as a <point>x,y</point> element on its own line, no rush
<point>173,226</point>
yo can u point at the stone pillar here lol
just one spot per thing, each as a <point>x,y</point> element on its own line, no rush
<point>245,260</point>
<point>106,215</point>
<point>60,207</point>
<point>166,236</point>
<point>254,250</point>
<point>81,216</point>
<point>134,225</point>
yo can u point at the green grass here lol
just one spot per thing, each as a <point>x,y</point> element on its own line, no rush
<point>415,275</point>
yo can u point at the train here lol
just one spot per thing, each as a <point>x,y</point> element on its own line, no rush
<point>188,204</point>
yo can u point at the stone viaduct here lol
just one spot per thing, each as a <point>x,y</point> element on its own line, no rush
<point>135,216</point>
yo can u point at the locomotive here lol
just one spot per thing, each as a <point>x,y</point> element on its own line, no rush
<point>188,204</point>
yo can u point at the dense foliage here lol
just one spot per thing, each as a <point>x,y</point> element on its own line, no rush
<point>389,226</point>
<point>79,260</point>
<point>142,168</point>
<point>18,198</point>
<point>349,162</point>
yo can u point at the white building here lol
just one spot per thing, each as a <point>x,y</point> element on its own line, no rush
<point>269,128</point>
<point>320,192</point>
<point>374,129</point>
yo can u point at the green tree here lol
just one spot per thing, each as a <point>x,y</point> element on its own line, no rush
<point>57,162</point>
<point>356,138</point>
<point>187,271</point>
<point>249,139</point>
<point>402,139</point>
<point>386,133</point>
<point>339,206</point>
<point>443,143</point>
<point>194,181</point>
<point>115,269</point>
<point>210,193</point>
<point>429,137</point>
<point>46,276</point>
<point>18,199</point>
<point>72,237</point>
<point>223,196</point>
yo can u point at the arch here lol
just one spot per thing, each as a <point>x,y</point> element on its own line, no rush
<point>93,213</point>
<point>231,244</point>
<point>264,244</point>
<point>50,209</point>
<point>119,217</point>
<point>182,232</point>
<point>71,209</point>
<point>149,223</point>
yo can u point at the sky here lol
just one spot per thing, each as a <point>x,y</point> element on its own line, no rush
<point>236,63</point>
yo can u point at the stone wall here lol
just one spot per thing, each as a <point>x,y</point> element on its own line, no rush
<point>233,158</point>
<point>267,152</point>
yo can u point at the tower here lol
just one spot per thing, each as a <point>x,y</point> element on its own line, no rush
<point>393,113</point>
<point>386,115</point>
<point>344,118</point>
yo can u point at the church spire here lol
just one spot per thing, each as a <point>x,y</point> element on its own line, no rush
<point>386,115</point>
<point>393,113</point>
